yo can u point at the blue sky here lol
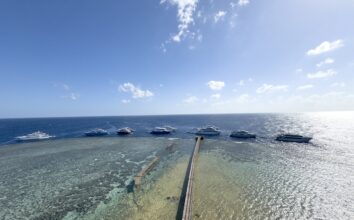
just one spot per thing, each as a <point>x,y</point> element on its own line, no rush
<point>85,57</point>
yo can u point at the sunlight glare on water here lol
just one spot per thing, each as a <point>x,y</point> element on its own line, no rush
<point>250,180</point>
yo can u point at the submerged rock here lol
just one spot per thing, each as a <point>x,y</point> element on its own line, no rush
<point>173,198</point>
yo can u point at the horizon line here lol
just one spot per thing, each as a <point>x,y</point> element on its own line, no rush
<point>191,114</point>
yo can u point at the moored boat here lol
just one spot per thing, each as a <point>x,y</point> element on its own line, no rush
<point>160,130</point>
<point>125,131</point>
<point>242,134</point>
<point>209,131</point>
<point>96,132</point>
<point>36,136</point>
<point>170,128</point>
<point>293,138</point>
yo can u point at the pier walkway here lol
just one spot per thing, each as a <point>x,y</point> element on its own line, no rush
<point>184,211</point>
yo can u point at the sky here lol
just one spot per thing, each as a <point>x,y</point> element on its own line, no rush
<point>95,58</point>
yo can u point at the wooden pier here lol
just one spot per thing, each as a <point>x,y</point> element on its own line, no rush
<point>184,211</point>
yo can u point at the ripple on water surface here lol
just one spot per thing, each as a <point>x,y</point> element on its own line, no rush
<point>255,181</point>
<point>86,178</point>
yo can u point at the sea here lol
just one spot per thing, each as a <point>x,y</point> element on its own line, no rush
<point>76,177</point>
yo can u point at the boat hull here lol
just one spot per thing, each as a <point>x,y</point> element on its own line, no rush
<point>302,140</point>
<point>32,139</point>
<point>160,132</point>
<point>243,137</point>
<point>123,132</point>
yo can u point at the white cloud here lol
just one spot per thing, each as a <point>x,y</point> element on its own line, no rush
<point>191,47</point>
<point>215,96</point>
<point>200,37</point>
<point>284,102</point>
<point>219,16</point>
<point>237,102</point>
<point>299,70</point>
<point>324,101</point>
<point>243,82</point>
<point>243,2</point>
<point>186,9</point>
<point>325,47</point>
<point>199,14</point>
<point>74,96</point>
<point>324,62</point>
<point>125,101</point>
<point>338,84</point>
<point>265,88</point>
<point>319,102</point>
<point>305,87</point>
<point>216,85</point>
<point>191,99</point>
<point>243,98</point>
<point>232,20</point>
<point>190,14</point>
<point>163,47</point>
<point>136,92</point>
<point>322,74</point>
<point>66,87</point>
<point>69,93</point>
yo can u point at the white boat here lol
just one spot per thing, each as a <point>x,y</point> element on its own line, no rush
<point>242,134</point>
<point>209,131</point>
<point>170,128</point>
<point>96,132</point>
<point>125,131</point>
<point>160,130</point>
<point>293,138</point>
<point>36,136</point>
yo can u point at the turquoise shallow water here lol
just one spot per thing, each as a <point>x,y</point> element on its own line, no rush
<point>71,177</point>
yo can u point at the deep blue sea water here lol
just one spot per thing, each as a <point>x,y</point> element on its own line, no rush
<point>265,125</point>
